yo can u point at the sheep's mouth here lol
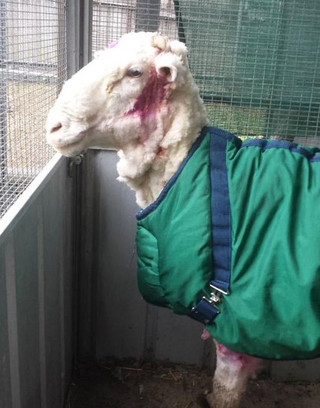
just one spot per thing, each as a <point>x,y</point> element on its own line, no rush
<point>71,150</point>
<point>68,146</point>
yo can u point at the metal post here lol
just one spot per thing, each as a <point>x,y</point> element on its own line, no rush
<point>61,45</point>
<point>147,15</point>
<point>3,92</point>
<point>79,34</point>
<point>85,38</point>
<point>79,53</point>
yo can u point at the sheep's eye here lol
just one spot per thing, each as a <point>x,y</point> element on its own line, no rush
<point>134,73</point>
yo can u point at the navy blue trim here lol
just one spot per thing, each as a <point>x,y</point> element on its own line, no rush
<point>146,211</point>
<point>265,144</point>
<point>220,209</point>
<point>205,312</point>
<point>225,135</point>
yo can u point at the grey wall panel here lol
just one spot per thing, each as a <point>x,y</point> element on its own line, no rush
<point>25,240</point>
<point>36,293</point>
<point>5,386</point>
<point>121,322</point>
<point>179,339</point>
<point>55,222</point>
<point>12,321</point>
<point>118,311</point>
<point>67,281</point>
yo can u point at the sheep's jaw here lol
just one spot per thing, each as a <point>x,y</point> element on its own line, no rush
<point>69,142</point>
<point>68,149</point>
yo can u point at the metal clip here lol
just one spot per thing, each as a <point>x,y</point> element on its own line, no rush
<point>219,290</point>
<point>215,298</point>
<point>216,295</point>
<point>212,302</point>
<point>74,162</point>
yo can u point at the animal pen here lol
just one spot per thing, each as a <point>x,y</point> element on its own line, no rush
<point>68,290</point>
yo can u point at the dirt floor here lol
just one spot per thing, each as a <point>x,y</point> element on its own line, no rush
<point>175,386</point>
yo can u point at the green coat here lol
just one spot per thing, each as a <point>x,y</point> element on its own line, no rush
<point>245,216</point>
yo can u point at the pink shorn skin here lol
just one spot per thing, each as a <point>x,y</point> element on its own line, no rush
<point>149,103</point>
<point>152,96</point>
<point>247,362</point>
<point>113,44</point>
<point>244,359</point>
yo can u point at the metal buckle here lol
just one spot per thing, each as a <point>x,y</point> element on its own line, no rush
<point>211,302</point>
<point>216,295</point>
<point>219,290</point>
<point>205,312</point>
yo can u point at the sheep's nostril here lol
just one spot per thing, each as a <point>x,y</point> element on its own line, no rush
<point>56,127</point>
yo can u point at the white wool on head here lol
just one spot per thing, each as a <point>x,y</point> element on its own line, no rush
<point>138,97</point>
<point>180,49</point>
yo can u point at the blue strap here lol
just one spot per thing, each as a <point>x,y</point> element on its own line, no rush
<point>220,209</point>
<point>205,312</point>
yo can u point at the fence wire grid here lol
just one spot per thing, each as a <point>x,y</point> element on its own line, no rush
<point>32,70</point>
<point>256,62</point>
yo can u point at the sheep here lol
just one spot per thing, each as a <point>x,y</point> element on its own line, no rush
<point>138,96</point>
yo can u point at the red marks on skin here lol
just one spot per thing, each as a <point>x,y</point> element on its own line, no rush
<point>113,44</point>
<point>149,103</point>
<point>162,152</point>
<point>249,362</point>
<point>246,361</point>
<point>151,98</point>
<point>205,335</point>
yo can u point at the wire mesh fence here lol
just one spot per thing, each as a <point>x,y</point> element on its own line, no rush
<point>256,62</point>
<point>32,69</point>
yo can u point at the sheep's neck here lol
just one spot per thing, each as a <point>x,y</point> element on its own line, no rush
<point>147,170</point>
<point>155,179</point>
<point>165,135</point>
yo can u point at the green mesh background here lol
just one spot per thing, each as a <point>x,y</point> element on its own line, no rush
<point>256,61</point>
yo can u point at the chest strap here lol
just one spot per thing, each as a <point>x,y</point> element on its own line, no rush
<point>207,309</point>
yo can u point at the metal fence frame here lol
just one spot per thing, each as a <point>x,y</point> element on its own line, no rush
<point>3,115</point>
<point>39,263</point>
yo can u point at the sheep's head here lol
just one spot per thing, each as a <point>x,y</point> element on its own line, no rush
<point>113,101</point>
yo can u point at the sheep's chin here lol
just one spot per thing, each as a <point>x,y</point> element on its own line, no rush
<point>69,147</point>
<point>70,151</point>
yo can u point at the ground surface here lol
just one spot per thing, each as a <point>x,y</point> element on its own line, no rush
<point>130,386</point>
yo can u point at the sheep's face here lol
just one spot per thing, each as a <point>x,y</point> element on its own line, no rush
<point>119,92</point>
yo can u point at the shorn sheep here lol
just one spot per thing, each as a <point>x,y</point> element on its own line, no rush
<point>228,232</point>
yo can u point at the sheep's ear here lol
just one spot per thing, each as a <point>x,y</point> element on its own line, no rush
<point>169,72</point>
<point>170,66</point>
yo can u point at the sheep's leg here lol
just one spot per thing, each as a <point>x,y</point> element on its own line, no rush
<point>231,376</point>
